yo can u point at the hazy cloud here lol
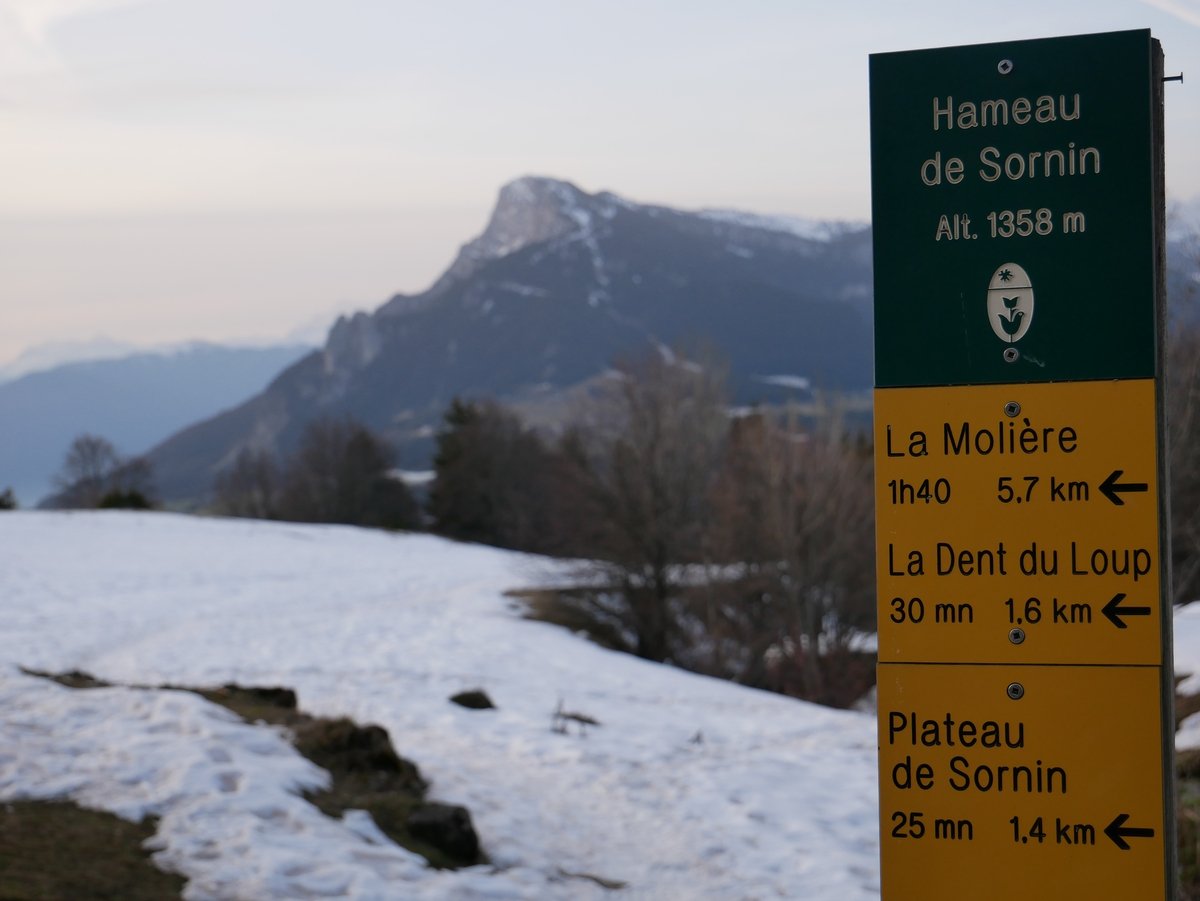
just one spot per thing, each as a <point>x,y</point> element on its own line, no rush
<point>35,18</point>
<point>1185,10</point>
<point>25,27</point>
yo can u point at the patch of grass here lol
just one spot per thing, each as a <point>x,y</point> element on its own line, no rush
<point>71,679</point>
<point>367,773</point>
<point>56,850</point>
<point>600,614</point>
<point>590,611</point>
<point>276,706</point>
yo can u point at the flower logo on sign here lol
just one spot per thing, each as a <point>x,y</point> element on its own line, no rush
<point>1010,303</point>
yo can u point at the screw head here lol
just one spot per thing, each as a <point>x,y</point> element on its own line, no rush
<point>1004,66</point>
<point>1011,355</point>
<point>1012,409</point>
<point>1016,636</point>
<point>1015,690</point>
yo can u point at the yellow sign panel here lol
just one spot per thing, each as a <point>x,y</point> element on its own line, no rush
<point>1018,523</point>
<point>1020,782</point>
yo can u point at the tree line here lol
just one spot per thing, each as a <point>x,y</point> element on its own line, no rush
<point>340,473</point>
<point>737,546</point>
<point>740,546</point>
<point>95,476</point>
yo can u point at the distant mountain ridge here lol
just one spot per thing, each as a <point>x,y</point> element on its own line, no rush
<point>558,285</point>
<point>51,355</point>
<point>55,354</point>
<point>134,401</point>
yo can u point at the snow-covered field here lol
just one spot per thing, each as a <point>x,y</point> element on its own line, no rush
<point>690,788</point>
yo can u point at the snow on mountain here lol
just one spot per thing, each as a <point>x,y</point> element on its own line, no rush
<point>44,357</point>
<point>690,788</point>
<point>801,227</point>
<point>559,285</point>
<point>795,382</point>
<point>49,355</point>
<point>52,354</point>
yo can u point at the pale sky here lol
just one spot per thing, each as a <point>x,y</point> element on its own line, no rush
<point>234,169</point>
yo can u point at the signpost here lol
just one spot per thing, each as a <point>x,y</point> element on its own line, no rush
<point>1057,795</point>
<point>1025,679</point>
<point>1030,537</point>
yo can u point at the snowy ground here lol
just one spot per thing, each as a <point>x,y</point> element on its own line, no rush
<point>1187,663</point>
<point>690,788</point>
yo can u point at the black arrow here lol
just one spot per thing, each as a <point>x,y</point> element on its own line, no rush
<point>1112,489</point>
<point>1114,611</point>
<point>1117,832</point>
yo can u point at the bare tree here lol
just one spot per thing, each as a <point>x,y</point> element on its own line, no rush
<point>1183,418</point>
<point>86,472</point>
<point>131,483</point>
<point>496,480</point>
<point>647,474</point>
<point>341,474</point>
<point>249,487</point>
<point>95,475</point>
<point>795,511</point>
<point>1183,422</point>
<point>746,552</point>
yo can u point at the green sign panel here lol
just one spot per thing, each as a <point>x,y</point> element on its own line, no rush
<point>1014,207</point>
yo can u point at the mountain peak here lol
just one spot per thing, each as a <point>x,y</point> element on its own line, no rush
<point>528,211</point>
<point>539,189</point>
<point>558,284</point>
